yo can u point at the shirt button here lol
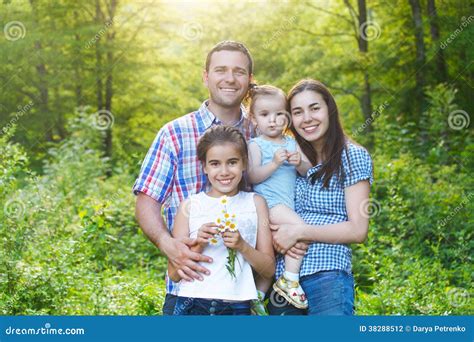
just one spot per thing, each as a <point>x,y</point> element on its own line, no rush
<point>212,311</point>
<point>214,303</point>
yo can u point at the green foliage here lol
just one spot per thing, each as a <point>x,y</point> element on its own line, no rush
<point>72,245</point>
<point>69,241</point>
<point>407,286</point>
<point>418,258</point>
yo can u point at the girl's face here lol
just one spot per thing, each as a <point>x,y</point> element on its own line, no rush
<point>270,116</point>
<point>310,117</point>
<point>224,168</point>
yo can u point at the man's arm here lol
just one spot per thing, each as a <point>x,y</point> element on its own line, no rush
<point>148,214</point>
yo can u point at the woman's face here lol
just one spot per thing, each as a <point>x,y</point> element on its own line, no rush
<point>310,117</point>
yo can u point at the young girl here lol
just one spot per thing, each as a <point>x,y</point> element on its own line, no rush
<point>274,160</point>
<point>229,225</point>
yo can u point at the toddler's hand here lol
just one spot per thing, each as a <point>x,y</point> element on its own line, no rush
<point>280,156</point>
<point>207,231</point>
<point>294,158</point>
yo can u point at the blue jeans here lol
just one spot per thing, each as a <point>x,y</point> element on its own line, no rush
<point>169,304</point>
<point>328,293</point>
<point>210,307</point>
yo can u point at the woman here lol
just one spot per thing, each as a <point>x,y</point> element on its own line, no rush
<point>332,200</point>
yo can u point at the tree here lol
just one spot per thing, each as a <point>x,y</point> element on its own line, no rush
<point>420,52</point>
<point>441,70</point>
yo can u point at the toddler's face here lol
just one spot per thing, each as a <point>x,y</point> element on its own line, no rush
<point>270,115</point>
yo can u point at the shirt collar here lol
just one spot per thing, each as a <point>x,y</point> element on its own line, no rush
<point>313,170</point>
<point>209,118</point>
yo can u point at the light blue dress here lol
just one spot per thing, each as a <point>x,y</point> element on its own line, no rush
<point>279,188</point>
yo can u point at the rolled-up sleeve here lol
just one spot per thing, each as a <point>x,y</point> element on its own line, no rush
<point>158,169</point>
<point>358,166</point>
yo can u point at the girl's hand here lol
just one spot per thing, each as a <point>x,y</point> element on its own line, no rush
<point>207,231</point>
<point>233,240</point>
<point>294,158</point>
<point>280,156</point>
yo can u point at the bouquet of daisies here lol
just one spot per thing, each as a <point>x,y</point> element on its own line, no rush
<point>226,223</point>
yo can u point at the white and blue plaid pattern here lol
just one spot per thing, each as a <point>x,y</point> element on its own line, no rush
<point>320,206</point>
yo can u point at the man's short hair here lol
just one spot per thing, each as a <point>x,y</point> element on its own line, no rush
<point>229,45</point>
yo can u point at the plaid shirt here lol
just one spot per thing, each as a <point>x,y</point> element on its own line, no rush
<point>320,206</point>
<point>171,171</point>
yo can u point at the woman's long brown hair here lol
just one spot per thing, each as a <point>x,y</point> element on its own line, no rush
<point>334,138</point>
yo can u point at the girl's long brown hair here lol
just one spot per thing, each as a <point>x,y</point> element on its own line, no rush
<point>334,138</point>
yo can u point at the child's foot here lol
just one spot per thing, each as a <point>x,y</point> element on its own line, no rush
<point>292,292</point>
<point>257,307</point>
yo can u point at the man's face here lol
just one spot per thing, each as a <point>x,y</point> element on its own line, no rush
<point>228,78</point>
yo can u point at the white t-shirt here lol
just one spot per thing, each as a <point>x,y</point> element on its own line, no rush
<point>220,284</point>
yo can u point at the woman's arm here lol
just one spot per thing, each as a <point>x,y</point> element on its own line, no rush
<point>352,231</point>
<point>258,173</point>
<point>261,258</point>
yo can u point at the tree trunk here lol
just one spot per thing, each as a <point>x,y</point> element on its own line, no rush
<point>441,70</point>
<point>98,59</point>
<point>42,84</point>
<point>78,70</point>
<point>109,80</point>
<point>57,116</point>
<point>366,99</point>
<point>420,52</point>
<point>108,106</point>
<point>44,93</point>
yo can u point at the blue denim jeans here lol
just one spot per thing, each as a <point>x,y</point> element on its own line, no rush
<point>328,293</point>
<point>210,307</point>
<point>169,304</point>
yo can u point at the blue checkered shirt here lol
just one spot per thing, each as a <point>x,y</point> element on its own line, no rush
<point>320,206</point>
<point>171,171</point>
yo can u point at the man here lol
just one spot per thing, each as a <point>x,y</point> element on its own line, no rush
<point>171,171</point>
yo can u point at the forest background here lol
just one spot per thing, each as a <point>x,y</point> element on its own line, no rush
<point>86,85</point>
